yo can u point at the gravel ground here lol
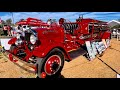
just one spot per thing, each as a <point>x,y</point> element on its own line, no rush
<point>80,67</point>
<point>10,70</point>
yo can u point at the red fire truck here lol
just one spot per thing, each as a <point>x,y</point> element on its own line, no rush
<point>50,44</point>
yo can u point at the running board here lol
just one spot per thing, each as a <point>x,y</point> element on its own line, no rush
<point>74,54</point>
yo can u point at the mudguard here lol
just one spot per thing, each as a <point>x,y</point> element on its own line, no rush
<point>49,48</point>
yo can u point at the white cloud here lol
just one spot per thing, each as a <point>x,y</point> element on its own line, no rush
<point>40,15</point>
<point>71,16</point>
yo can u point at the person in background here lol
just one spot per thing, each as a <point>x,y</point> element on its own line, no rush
<point>9,31</point>
<point>13,30</point>
<point>5,30</point>
<point>49,21</point>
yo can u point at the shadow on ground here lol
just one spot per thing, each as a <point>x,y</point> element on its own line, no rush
<point>61,76</point>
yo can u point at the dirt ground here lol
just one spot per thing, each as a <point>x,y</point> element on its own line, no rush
<point>80,67</point>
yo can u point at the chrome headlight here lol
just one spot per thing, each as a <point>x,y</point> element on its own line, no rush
<point>33,39</point>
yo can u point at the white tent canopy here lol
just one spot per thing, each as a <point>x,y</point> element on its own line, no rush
<point>113,23</point>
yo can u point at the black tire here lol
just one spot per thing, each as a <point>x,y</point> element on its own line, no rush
<point>41,63</point>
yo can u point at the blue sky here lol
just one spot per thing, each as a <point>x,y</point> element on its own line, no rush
<point>71,16</point>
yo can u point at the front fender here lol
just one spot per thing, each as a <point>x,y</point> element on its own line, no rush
<point>12,41</point>
<point>50,47</point>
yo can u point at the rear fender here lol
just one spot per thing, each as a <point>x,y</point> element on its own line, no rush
<point>12,41</point>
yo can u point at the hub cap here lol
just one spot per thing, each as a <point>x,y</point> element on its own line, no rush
<point>52,64</point>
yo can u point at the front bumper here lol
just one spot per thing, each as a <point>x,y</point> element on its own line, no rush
<point>19,62</point>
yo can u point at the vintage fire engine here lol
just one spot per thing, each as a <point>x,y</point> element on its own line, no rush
<point>50,44</point>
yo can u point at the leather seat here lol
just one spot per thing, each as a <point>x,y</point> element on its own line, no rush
<point>70,27</point>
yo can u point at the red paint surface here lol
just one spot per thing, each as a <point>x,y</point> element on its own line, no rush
<point>54,36</point>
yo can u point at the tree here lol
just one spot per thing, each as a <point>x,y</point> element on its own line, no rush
<point>9,22</point>
<point>21,20</point>
<point>3,22</point>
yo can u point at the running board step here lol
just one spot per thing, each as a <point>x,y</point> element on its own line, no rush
<point>74,54</point>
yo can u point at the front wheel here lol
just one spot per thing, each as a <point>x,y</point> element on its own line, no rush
<point>51,65</point>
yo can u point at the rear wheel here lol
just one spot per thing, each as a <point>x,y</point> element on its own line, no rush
<point>51,65</point>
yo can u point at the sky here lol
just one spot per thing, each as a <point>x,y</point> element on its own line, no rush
<point>71,16</point>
